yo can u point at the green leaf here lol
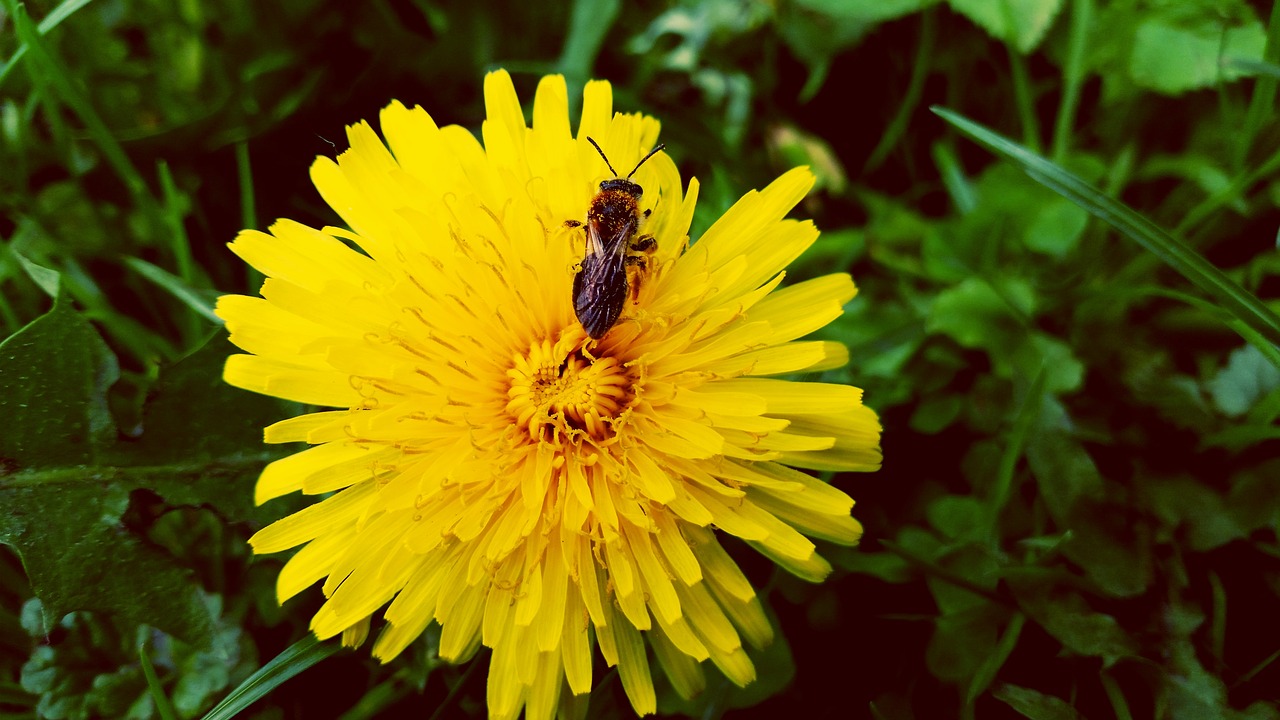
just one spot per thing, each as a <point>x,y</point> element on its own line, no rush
<point>1066,616</point>
<point>54,375</point>
<point>1237,301</point>
<point>817,30</point>
<point>992,663</point>
<point>1035,705</point>
<point>1112,547</point>
<point>959,517</point>
<point>50,281</point>
<point>935,413</point>
<point>1172,59</point>
<point>1056,228</point>
<point>199,301</point>
<point>589,24</point>
<point>1254,499</point>
<point>64,10</point>
<point>292,660</point>
<point>1040,353</point>
<point>45,68</point>
<point>885,566</point>
<point>67,483</point>
<point>1191,508</point>
<point>86,560</point>
<point>978,315</point>
<point>1021,23</point>
<point>962,640</point>
<point>1248,376</point>
<point>153,685</point>
<point>204,437</point>
<point>1064,472</point>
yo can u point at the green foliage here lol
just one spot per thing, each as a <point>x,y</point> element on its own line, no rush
<point>1069,330</point>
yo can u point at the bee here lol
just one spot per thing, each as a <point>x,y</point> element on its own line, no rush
<point>615,256</point>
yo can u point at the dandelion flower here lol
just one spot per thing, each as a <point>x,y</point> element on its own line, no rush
<point>490,467</point>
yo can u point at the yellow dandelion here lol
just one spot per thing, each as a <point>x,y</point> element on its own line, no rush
<point>492,468</point>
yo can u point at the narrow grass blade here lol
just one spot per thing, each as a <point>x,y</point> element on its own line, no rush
<point>59,79</point>
<point>1022,424</point>
<point>189,296</point>
<point>1234,299</point>
<point>911,98</point>
<point>64,10</point>
<point>297,657</point>
<point>588,25</point>
<point>163,707</point>
<point>987,671</point>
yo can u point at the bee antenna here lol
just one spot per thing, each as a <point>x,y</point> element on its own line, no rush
<point>646,157</point>
<point>606,160</point>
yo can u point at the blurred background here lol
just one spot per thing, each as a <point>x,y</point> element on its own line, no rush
<point>1077,515</point>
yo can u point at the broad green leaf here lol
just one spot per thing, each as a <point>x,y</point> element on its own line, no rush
<point>54,376</point>
<point>1247,377</point>
<point>1237,301</point>
<point>1035,705</point>
<point>817,30</point>
<point>1040,353</point>
<point>977,571</point>
<point>867,10</point>
<point>885,566</point>
<point>962,640</point>
<point>1112,547</point>
<point>1171,59</point>
<point>1056,228</point>
<point>50,281</point>
<point>1066,615</point>
<point>1021,23</point>
<point>78,556</point>
<point>1254,499</point>
<point>959,517</point>
<point>292,660</point>
<point>935,413</point>
<point>203,438</point>
<point>1064,472</point>
<point>68,481</point>
<point>1192,509</point>
<point>978,314</point>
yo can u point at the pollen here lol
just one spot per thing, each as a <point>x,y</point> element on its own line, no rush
<point>565,396</point>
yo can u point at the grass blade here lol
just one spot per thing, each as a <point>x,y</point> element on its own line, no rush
<point>191,297</point>
<point>65,10</point>
<point>294,659</point>
<point>163,707</point>
<point>1237,301</point>
<point>46,69</point>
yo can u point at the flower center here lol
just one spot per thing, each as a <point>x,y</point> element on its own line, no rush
<point>562,393</point>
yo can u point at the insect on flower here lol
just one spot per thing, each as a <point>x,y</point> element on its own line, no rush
<point>616,258</point>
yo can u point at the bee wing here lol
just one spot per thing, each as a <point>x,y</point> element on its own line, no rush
<point>600,288</point>
<point>608,241</point>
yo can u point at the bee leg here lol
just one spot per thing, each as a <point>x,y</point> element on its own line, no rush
<point>637,268</point>
<point>645,244</point>
<point>647,213</point>
<point>573,223</point>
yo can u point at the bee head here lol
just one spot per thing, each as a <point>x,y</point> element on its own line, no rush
<point>623,185</point>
